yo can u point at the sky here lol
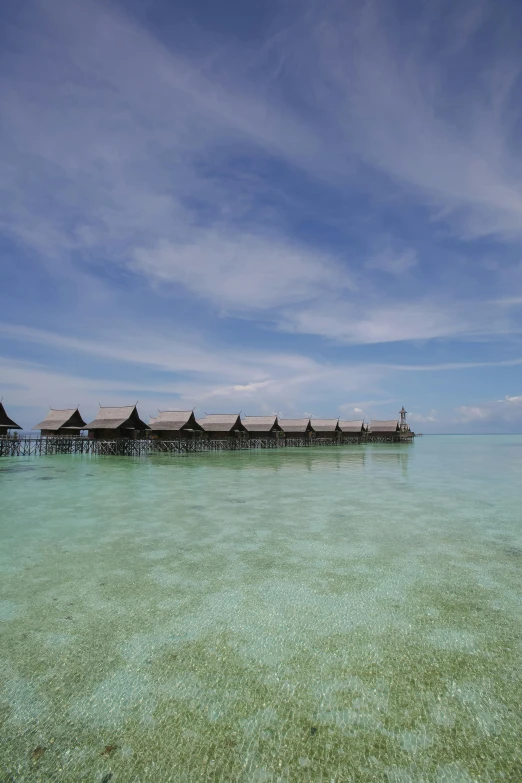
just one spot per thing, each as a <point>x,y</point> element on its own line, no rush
<point>305,208</point>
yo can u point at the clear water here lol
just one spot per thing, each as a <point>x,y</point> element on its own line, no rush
<point>344,614</point>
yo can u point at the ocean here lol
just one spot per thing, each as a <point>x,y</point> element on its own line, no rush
<point>319,614</point>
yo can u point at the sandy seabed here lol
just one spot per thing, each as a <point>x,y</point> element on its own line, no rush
<point>344,614</point>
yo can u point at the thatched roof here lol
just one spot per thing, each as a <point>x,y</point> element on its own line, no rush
<point>5,421</point>
<point>174,421</point>
<point>351,426</point>
<point>67,419</point>
<point>110,418</point>
<point>260,423</point>
<point>294,425</point>
<point>325,425</point>
<point>221,422</point>
<point>389,425</point>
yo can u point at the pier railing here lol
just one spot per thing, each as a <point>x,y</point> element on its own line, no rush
<point>127,447</point>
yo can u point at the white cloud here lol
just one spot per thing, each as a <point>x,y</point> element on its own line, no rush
<point>139,347</point>
<point>395,263</point>
<point>161,373</point>
<point>245,370</point>
<point>370,322</point>
<point>508,410</point>
<point>513,301</point>
<point>419,418</point>
<point>243,272</point>
<point>368,409</point>
<point>236,390</point>
<point>468,413</point>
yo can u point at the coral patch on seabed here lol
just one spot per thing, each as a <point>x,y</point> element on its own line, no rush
<point>109,749</point>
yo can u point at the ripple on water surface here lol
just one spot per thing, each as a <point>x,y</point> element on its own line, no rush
<point>311,615</point>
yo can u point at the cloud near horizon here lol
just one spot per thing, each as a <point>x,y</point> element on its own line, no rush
<point>508,410</point>
<point>321,205</point>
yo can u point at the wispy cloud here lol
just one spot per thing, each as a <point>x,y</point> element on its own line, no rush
<point>386,104</point>
<point>244,272</point>
<point>399,112</point>
<point>428,319</point>
<point>395,263</point>
<point>187,374</point>
<point>134,348</point>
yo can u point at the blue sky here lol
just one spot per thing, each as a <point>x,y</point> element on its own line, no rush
<point>300,207</point>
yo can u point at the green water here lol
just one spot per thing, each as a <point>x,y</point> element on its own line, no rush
<point>343,614</point>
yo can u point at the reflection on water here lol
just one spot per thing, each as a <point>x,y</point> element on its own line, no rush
<point>391,454</point>
<point>290,459</point>
<point>346,614</point>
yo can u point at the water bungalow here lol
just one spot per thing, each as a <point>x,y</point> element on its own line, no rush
<point>168,425</point>
<point>261,426</point>
<point>222,425</point>
<point>64,423</point>
<point>113,422</point>
<point>326,428</point>
<point>296,428</point>
<point>386,430</point>
<point>6,423</point>
<point>351,428</point>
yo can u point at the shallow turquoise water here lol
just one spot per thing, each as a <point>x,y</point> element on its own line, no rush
<point>343,614</point>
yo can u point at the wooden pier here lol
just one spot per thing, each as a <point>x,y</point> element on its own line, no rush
<point>128,447</point>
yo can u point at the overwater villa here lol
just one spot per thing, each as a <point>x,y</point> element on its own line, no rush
<point>387,429</point>
<point>114,422</point>
<point>351,427</point>
<point>326,428</point>
<point>65,423</point>
<point>262,426</point>
<point>6,423</point>
<point>296,428</point>
<point>168,425</point>
<point>221,425</point>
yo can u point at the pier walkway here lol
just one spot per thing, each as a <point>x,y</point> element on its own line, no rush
<point>30,447</point>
